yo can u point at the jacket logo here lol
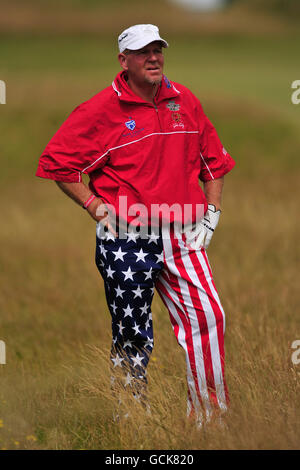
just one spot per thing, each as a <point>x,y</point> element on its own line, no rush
<point>130,124</point>
<point>177,120</point>
<point>172,106</point>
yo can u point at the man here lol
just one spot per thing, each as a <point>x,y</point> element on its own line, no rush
<point>145,142</point>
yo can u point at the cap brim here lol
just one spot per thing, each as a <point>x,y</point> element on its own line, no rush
<point>142,43</point>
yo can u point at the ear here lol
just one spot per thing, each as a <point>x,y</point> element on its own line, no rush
<point>123,61</point>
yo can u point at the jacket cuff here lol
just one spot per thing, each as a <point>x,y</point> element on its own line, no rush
<point>65,177</point>
<point>218,173</point>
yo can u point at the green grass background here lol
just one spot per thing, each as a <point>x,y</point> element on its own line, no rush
<point>53,316</point>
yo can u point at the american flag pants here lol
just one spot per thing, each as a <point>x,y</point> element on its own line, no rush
<point>132,267</point>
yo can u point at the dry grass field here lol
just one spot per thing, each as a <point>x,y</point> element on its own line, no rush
<point>55,388</point>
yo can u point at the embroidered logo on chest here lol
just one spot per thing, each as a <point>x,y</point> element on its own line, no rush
<point>176,116</point>
<point>177,120</point>
<point>172,106</point>
<point>130,124</point>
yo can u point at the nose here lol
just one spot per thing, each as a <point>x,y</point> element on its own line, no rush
<point>153,56</point>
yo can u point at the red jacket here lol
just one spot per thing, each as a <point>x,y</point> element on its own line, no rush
<point>153,154</point>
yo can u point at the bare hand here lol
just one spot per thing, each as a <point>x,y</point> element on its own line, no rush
<point>99,212</point>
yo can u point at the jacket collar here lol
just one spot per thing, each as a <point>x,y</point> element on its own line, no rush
<point>165,91</point>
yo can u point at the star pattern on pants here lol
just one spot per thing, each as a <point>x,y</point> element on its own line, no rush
<point>129,266</point>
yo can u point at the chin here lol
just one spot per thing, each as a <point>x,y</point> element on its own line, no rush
<point>154,80</point>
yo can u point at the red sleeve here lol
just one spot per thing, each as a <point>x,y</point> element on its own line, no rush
<point>215,160</point>
<point>74,147</point>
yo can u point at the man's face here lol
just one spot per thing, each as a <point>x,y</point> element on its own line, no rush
<point>144,65</point>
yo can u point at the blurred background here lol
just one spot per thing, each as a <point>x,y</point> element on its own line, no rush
<point>240,57</point>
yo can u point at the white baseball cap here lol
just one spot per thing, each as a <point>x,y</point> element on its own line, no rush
<point>139,36</point>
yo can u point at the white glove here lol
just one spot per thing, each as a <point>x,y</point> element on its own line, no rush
<point>202,233</point>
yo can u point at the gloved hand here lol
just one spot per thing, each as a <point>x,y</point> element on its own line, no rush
<point>202,233</point>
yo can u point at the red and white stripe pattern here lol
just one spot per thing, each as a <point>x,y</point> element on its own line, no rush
<point>187,289</point>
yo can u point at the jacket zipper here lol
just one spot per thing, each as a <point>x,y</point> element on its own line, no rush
<point>157,114</point>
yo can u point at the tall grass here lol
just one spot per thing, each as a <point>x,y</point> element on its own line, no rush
<point>55,388</point>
